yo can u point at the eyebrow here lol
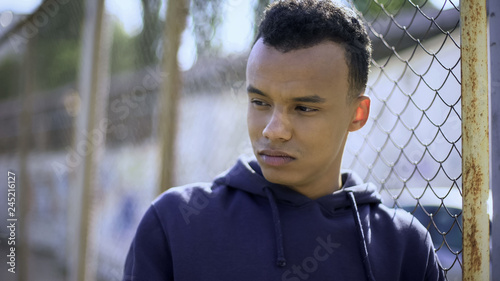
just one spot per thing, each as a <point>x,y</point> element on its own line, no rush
<point>308,99</point>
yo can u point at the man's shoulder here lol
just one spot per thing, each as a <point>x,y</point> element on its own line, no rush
<point>182,202</point>
<point>408,239</point>
<point>183,193</point>
<point>401,223</point>
<point>191,194</point>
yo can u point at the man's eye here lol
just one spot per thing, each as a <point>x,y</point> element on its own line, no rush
<point>258,102</point>
<point>306,109</point>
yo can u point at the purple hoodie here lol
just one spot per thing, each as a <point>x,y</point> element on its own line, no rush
<point>242,227</point>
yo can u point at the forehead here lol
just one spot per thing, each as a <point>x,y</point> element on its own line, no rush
<point>320,66</point>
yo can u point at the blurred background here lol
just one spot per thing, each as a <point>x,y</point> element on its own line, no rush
<point>105,104</point>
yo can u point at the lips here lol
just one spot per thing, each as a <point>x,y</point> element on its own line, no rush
<point>275,157</point>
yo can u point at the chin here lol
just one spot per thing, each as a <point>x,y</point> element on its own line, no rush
<point>277,177</point>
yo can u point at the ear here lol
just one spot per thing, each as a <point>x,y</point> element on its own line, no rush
<point>360,115</point>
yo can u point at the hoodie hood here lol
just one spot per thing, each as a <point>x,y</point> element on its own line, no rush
<point>247,175</point>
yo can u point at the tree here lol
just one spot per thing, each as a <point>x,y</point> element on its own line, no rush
<point>57,46</point>
<point>148,40</point>
<point>260,6</point>
<point>10,71</point>
<point>206,16</point>
<point>373,8</point>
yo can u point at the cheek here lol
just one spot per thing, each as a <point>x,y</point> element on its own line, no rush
<point>254,123</point>
<point>324,135</point>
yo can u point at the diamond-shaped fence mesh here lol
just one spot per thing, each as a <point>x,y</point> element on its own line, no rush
<point>410,148</point>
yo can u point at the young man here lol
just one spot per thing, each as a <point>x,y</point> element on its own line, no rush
<point>289,213</point>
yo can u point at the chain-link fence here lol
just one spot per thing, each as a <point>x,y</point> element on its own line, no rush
<point>411,147</point>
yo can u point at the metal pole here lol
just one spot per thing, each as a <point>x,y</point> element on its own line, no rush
<point>89,140</point>
<point>177,11</point>
<point>494,52</point>
<point>475,139</point>
<point>24,190</point>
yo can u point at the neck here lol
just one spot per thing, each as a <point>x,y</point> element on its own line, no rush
<point>320,189</point>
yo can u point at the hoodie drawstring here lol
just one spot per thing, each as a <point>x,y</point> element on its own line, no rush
<point>281,261</point>
<point>361,234</point>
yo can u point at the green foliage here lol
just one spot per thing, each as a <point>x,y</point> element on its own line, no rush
<point>57,62</point>
<point>54,43</point>
<point>57,47</point>
<point>65,24</point>
<point>149,39</point>
<point>260,7</point>
<point>206,16</point>
<point>10,70</point>
<point>123,50</point>
<point>372,8</point>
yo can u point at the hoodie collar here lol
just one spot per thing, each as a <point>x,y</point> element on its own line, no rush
<point>247,175</point>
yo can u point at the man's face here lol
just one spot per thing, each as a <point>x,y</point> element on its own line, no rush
<point>299,115</point>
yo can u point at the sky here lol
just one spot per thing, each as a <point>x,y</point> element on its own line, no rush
<point>23,7</point>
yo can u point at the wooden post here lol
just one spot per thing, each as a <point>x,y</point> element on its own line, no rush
<point>89,141</point>
<point>24,193</point>
<point>177,11</point>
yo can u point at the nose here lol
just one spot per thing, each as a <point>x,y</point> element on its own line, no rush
<point>278,127</point>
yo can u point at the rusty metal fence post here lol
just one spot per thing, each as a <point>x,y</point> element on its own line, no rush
<point>494,52</point>
<point>475,134</point>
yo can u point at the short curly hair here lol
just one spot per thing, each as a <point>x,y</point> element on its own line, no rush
<point>297,24</point>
